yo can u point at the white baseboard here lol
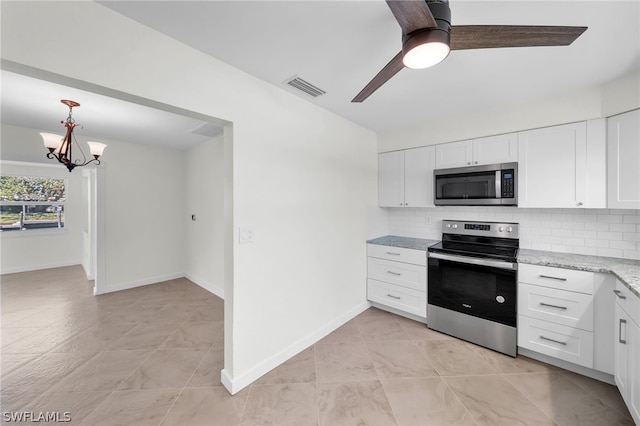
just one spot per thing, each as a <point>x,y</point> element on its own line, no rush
<point>218,291</point>
<point>38,267</point>
<point>236,384</point>
<point>140,283</point>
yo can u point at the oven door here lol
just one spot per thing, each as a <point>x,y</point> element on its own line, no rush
<point>483,288</point>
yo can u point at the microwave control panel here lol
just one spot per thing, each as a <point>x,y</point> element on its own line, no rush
<point>508,190</point>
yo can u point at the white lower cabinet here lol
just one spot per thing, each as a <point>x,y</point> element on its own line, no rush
<point>556,313</point>
<point>397,278</point>
<point>626,335</point>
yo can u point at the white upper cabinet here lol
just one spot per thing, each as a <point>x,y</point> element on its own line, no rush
<point>391,179</point>
<point>624,160</point>
<point>475,152</point>
<point>495,149</point>
<point>454,154</point>
<point>405,178</point>
<point>418,176</point>
<point>562,166</point>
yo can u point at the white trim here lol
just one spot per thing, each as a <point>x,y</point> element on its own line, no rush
<point>236,384</point>
<point>211,288</point>
<point>39,267</point>
<point>139,283</point>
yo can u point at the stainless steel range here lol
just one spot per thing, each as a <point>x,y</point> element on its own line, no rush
<point>473,281</point>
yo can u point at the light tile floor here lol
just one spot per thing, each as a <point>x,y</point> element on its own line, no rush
<point>153,355</point>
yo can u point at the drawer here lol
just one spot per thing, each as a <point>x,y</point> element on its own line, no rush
<point>401,298</point>
<point>559,341</point>
<point>628,301</point>
<point>563,279</point>
<point>398,254</point>
<point>403,274</point>
<point>557,306</point>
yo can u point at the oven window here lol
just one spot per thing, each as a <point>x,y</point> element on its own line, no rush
<point>481,291</point>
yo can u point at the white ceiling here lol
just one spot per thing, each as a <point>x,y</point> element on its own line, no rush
<point>340,45</point>
<point>35,103</point>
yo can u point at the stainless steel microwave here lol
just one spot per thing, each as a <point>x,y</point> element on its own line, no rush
<point>487,185</point>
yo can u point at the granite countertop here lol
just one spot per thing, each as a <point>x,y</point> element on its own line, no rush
<point>626,270</point>
<point>403,242</point>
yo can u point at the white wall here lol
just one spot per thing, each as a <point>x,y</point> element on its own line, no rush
<point>596,102</point>
<point>204,193</point>
<point>41,248</point>
<point>599,232</point>
<point>303,178</point>
<point>144,214</point>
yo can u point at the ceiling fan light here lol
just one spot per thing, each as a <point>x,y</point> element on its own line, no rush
<point>425,48</point>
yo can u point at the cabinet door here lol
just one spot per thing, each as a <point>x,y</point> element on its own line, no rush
<point>496,149</point>
<point>391,179</point>
<point>633,380</point>
<point>620,335</point>
<point>552,168</point>
<point>454,154</point>
<point>418,176</point>
<point>624,160</point>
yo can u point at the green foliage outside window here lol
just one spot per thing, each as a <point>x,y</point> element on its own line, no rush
<point>31,202</point>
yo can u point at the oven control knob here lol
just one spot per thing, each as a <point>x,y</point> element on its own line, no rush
<point>448,225</point>
<point>500,229</point>
<point>455,226</point>
<point>500,299</point>
<point>509,229</point>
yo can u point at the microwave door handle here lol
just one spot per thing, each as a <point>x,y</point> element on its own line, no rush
<point>475,261</point>
<point>498,183</point>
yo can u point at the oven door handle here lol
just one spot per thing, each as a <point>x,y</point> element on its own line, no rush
<point>475,261</point>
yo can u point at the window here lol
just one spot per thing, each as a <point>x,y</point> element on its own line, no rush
<point>31,203</point>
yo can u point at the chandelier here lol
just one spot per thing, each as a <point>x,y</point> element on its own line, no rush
<point>60,147</point>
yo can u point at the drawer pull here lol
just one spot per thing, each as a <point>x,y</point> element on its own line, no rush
<point>393,254</point>
<point>564,308</point>
<point>552,278</point>
<point>394,273</point>
<point>554,341</point>
<point>619,294</point>
<point>622,321</point>
<point>394,297</point>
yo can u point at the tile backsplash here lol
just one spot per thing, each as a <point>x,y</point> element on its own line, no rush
<point>599,232</point>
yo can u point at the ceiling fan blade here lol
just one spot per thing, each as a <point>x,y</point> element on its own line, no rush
<point>492,36</point>
<point>412,14</point>
<point>389,70</point>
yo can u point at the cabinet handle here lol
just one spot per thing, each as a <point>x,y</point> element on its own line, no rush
<point>622,321</point>
<point>579,203</point>
<point>475,162</point>
<point>468,163</point>
<point>619,294</point>
<point>552,278</point>
<point>394,273</point>
<point>393,253</point>
<point>394,297</point>
<point>564,308</point>
<point>554,341</point>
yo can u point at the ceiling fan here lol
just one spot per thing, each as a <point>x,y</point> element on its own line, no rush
<point>428,36</point>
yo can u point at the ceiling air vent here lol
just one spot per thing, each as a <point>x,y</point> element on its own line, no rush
<point>305,86</point>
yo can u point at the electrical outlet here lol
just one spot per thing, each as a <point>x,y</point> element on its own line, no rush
<point>245,234</point>
<point>428,219</point>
